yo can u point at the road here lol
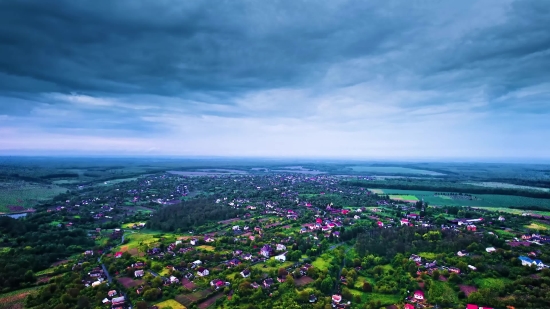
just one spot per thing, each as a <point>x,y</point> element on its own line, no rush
<point>106,272</point>
<point>337,284</point>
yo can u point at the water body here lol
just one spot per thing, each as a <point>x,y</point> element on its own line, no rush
<point>16,216</point>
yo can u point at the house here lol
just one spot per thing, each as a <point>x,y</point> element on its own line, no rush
<point>413,216</point>
<point>234,262</point>
<point>209,239</point>
<point>255,285</point>
<point>266,251</point>
<point>525,261</point>
<point>236,228</point>
<point>111,293</point>
<point>197,263</point>
<point>472,267</point>
<point>194,241</point>
<point>245,273</point>
<point>415,258</point>
<point>217,283</point>
<point>418,295</point>
<point>380,223</point>
<point>336,298</point>
<point>247,256</point>
<point>88,252</point>
<point>281,247</point>
<point>471,228</point>
<point>118,301</point>
<point>303,230</point>
<point>202,272</point>
<point>501,218</point>
<point>268,282</point>
<point>138,273</point>
<point>174,279</point>
<point>404,221</point>
<point>462,253</point>
<point>118,255</point>
<point>312,298</point>
<point>356,217</point>
<point>490,249</point>
<point>454,270</point>
<point>281,258</point>
<point>408,306</point>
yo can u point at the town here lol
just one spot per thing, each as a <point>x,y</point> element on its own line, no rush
<point>287,240</point>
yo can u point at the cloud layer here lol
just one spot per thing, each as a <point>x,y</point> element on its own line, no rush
<point>361,79</point>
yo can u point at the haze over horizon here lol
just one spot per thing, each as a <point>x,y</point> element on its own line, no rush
<point>342,79</point>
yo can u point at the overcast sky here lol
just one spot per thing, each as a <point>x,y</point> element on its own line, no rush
<point>344,79</point>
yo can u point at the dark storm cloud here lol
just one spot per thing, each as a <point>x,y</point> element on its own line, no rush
<point>248,69</point>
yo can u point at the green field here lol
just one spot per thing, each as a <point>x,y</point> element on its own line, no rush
<point>170,303</point>
<point>322,262</point>
<point>505,186</point>
<point>385,299</point>
<point>483,200</point>
<point>516,211</point>
<point>16,299</point>
<point>538,226</point>
<point>493,283</point>
<point>393,170</point>
<point>26,194</point>
<point>404,197</point>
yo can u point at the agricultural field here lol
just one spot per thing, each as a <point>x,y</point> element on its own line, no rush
<point>19,196</point>
<point>15,299</point>
<point>170,303</point>
<point>206,248</point>
<point>538,226</point>
<point>404,198</point>
<point>394,170</point>
<point>506,186</point>
<point>516,211</point>
<point>481,200</point>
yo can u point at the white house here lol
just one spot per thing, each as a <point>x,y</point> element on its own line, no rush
<point>138,273</point>
<point>490,249</point>
<point>281,247</point>
<point>525,261</point>
<point>501,218</point>
<point>194,241</point>
<point>202,272</point>
<point>245,273</point>
<point>236,228</point>
<point>281,258</point>
<point>197,262</point>
<point>472,267</point>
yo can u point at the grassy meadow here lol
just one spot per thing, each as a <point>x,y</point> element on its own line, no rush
<point>483,200</point>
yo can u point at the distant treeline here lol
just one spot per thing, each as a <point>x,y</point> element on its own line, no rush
<point>446,187</point>
<point>541,183</point>
<point>190,214</point>
<point>60,175</point>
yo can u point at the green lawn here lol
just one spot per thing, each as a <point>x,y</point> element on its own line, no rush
<point>393,170</point>
<point>385,299</point>
<point>170,303</point>
<point>404,197</point>
<point>322,262</point>
<point>428,255</point>
<point>494,283</point>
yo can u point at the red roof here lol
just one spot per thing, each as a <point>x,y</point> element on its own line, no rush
<point>418,292</point>
<point>409,306</point>
<point>470,306</point>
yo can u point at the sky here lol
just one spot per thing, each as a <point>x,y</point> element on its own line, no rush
<point>312,79</point>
